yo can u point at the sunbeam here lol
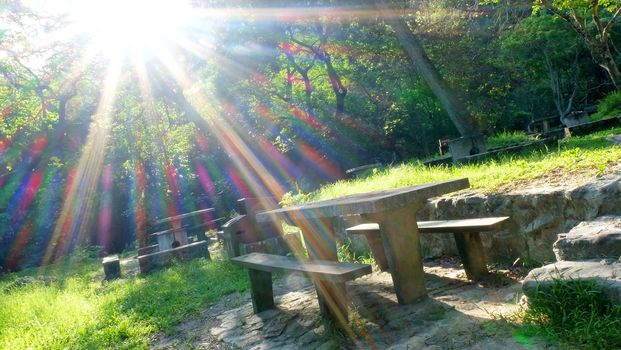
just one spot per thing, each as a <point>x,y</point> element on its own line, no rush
<point>72,222</point>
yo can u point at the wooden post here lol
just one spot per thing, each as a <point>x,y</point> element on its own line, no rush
<point>472,255</point>
<point>402,246</point>
<point>261,290</point>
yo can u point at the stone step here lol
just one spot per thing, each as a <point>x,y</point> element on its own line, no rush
<point>597,239</point>
<point>606,274</point>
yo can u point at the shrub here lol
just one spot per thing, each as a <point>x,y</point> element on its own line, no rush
<point>609,106</point>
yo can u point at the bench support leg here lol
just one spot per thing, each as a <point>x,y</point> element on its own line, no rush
<point>332,300</point>
<point>472,256</point>
<point>377,248</point>
<point>261,290</point>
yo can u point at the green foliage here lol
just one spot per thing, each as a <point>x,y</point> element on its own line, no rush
<point>506,138</point>
<point>345,253</point>
<point>75,310</point>
<point>575,313</point>
<point>609,106</point>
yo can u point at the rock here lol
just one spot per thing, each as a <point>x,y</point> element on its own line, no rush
<point>605,273</point>
<point>329,345</point>
<point>600,238</point>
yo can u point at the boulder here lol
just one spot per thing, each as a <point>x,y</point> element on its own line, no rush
<point>606,274</point>
<point>600,238</point>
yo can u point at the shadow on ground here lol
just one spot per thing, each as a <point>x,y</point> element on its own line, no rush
<point>457,314</point>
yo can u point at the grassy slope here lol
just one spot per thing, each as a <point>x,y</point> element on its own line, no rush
<point>592,153</point>
<point>78,311</point>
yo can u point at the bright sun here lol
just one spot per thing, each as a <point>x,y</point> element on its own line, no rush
<point>120,27</point>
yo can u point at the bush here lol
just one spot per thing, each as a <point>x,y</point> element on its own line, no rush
<point>609,106</point>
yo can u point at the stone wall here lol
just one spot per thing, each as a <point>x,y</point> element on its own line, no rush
<point>537,216</point>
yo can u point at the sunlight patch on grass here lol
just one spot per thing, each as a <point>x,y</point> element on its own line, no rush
<point>79,311</point>
<point>592,153</point>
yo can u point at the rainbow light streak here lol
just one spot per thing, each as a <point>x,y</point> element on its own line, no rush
<point>105,209</point>
<point>161,201</point>
<point>18,245</point>
<point>25,198</point>
<point>205,180</point>
<point>138,186</point>
<point>186,200</point>
<point>242,156</point>
<point>47,209</point>
<point>238,183</point>
<point>326,167</point>
<point>235,153</point>
<point>22,201</point>
<point>72,224</point>
<point>17,177</point>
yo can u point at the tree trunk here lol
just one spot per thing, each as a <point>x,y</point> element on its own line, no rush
<point>607,62</point>
<point>455,109</point>
<point>340,91</point>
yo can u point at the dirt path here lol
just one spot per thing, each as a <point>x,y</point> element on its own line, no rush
<point>457,315</point>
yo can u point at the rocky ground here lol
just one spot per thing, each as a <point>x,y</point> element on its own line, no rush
<point>457,314</point>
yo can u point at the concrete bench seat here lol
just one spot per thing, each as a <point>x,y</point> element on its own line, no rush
<point>112,267</point>
<point>465,231</point>
<point>329,278</point>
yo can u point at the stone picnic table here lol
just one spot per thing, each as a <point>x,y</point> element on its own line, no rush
<point>177,233</point>
<point>395,212</point>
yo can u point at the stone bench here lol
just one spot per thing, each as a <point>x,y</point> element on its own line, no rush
<point>151,261</point>
<point>465,231</point>
<point>112,267</point>
<point>329,278</point>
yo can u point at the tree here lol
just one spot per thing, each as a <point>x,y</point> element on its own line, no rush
<point>596,36</point>
<point>540,47</point>
<point>448,98</point>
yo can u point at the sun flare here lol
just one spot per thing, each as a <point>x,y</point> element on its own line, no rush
<point>117,28</point>
<point>120,27</point>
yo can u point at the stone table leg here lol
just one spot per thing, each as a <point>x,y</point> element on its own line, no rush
<point>402,247</point>
<point>377,248</point>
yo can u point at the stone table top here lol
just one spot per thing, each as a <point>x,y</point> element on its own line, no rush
<point>365,203</point>
<point>185,215</point>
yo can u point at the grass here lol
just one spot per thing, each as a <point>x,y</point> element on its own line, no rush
<point>506,138</point>
<point>574,314</point>
<point>592,153</point>
<point>73,309</point>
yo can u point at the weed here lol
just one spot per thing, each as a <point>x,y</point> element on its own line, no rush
<point>574,313</point>
<point>345,253</point>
